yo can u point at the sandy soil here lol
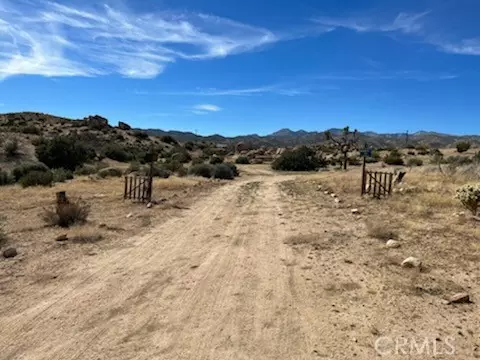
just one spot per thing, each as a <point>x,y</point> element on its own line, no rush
<point>263,268</point>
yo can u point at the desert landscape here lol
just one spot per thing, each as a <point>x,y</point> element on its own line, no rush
<point>244,250</point>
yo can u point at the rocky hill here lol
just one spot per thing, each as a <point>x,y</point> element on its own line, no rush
<point>97,130</point>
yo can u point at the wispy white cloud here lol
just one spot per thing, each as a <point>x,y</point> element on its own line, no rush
<point>385,75</point>
<point>251,91</point>
<point>53,39</point>
<point>207,108</point>
<point>403,22</point>
<point>463,47</point>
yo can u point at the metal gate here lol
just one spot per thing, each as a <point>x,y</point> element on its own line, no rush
<point>377,184</point>
<point>138,188</point>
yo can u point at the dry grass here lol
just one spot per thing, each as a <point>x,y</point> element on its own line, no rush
<point>382,230</point>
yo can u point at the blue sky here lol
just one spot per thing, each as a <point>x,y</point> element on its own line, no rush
<point>243,66</point>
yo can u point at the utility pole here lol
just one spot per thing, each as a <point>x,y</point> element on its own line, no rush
<point>406,139</point>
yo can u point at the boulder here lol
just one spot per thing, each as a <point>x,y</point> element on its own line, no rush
<point>60,238</point>
<point>96,122</point>
<point>124,126</point>
<point>411,262</point>
<point>355,211</point>
<point>460,298</point>
<point>392,244</point>
<point>10,253</point>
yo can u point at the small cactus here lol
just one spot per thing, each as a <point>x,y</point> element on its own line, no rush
<point>469,196</point>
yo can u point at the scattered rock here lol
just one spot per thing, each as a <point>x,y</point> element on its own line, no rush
<point>149,205</point>
<point>10,253</point>
<point>325,192</point>
<point>392,244</point>
<point>129,215</point>
<point>411,262</point>
<point>124,126</point>
<point>460,298</point>
<point>338,201</point>
<point>63,237</point>
<point>333,195</point>
<point>355,211</point>
<point>319,188</point>
<point>102,226</point>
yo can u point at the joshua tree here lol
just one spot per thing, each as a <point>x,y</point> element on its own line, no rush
<point>345,143</point>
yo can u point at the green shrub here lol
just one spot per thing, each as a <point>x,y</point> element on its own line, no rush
<point>463,146</point>
<point>133,167</point>
<point>469,196</point>
<point>216,160</point>
<point>12,148</point>
<point>117,152</point>
<point>66,215</point>
<point>62,175</point>
<point>140,135</point>
<point>6,178</point>
<point>476,157</point>
<point>197,161</point>
<point>86,169</point>
<point>63,152</point>
<point>354,161</point>
<point>233,168</point>
<point>414,162</point>
<point>37,178</point>
<point>158,172</point>
<point>183,171</point>
<point>31,129</point>
<point>203,170</point>
<point>301,159</point>
<point>242,160</point>
<point>223,171</point>
<point>181,155</point>
<point>394,158</point>
<point>110,172</point>
<point>458,160</point>
<point>22,170</point>
<point>168,140</point>
<point>189,145</point>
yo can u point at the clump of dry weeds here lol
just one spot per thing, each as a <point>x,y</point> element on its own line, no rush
<point>66,215</point>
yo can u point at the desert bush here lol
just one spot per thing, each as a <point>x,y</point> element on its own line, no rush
<point>233,168</point>
<point>172,166</point>
<point>458,160</point>
<point>223,171</point>
<point>463,146</point>
<point>86,169</point>
<point>63,152</point>
<point>66,215</point>
<point>181,155</point>
<point>414,162</point>
<point>183,171</point>
<point>242,160</point>
<point>476,157</point>
<point>410,152</point>
<point>140,135</point>
<point>168,140</point>
<point>133,167</point>
<point>354,161</point>
<point>62,175</point>
<point>203,170</point>
<point>159,172</point>
<point>3,234</point>
<point>31,129</point>
<point>110,172</point>
<point>469,196</point>
<point>394,158</point>
<point>117,152</point>
<point>22,170</point>
<point>189,145</point>
<point>11,148</point>
<point>301,159</point>
<point>381,230</point>
<point>197,161</point>
<point>37,178</point>
<point>6,178</point>
<point>216,160</point>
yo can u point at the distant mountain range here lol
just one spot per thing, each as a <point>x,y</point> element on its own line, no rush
<point>280,138</point>
<point>287,137</point>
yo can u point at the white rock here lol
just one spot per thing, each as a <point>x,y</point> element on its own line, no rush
<point>411,262</point>
<point>149,205</point>
<point>129,215</point>
<point>333,195</point>
<point>325,192</point>
<point>337,201</point>
<point>392,244</point>
<point>355,211</point>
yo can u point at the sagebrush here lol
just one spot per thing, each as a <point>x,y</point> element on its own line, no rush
<point>66,215</point>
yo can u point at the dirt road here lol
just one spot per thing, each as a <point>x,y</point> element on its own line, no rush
<point>249,272</point>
